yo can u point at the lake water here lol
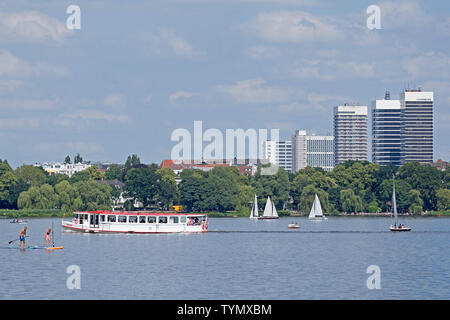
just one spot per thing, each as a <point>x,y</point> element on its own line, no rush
<point>238,259</point>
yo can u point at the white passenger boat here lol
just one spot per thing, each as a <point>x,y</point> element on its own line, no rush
<point>136,222</point>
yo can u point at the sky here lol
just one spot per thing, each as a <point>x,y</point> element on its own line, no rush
<point>137,70</point>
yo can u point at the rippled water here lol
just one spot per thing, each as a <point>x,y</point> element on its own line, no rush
<point>238,259</point>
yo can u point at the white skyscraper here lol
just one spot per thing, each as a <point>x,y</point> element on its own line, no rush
<point>299,148</point>
<point>417,130</point>
<point>279,153</point>
<point>320,152</point>
<point>350,133</point>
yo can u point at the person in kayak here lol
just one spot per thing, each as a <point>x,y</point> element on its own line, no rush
<point>22,235</point>
<point>47,237</point>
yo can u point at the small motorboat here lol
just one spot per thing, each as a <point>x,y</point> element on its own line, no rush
<point>293,225</point>
<point>18,221</point>
<point>401,227</point>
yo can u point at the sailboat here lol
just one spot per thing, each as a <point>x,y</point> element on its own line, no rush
<point>254,214</point>
<point>396,226</point>
<point>316,210</point>
<point>270,212</point>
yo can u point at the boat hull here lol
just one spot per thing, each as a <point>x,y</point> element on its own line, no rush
<point>71,227</point>
<point>399,229</point>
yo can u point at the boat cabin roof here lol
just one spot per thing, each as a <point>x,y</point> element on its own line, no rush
<point>140,213</point>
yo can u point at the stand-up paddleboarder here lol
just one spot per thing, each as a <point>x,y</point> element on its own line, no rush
<point>47,237</point>
<point>22,235</point>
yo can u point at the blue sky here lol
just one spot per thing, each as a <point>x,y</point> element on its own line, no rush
<point>137,70</point>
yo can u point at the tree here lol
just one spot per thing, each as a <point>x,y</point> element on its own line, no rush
<point>416,202</point>
<point>424,178</point>
<point>78,159</point>
<point>91,173</point>
<point>31,175</point>
<point>114,172</point>
<point>67,160</point>
<point>443,199</point>
<point>8,181</point>
<point>350,202</point>
<point>132,161</point>
<point>168,192</point>
<point>92,196</point>
<point>142,184</point>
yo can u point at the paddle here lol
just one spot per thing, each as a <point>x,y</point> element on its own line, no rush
<point>16,240</point>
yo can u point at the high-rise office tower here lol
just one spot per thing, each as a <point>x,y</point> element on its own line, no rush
<point>350,133</point>
<point>320,152</point>
<point>279,153</point>
<point>387,131</point>
<point>417,130</point>
<point>299,150</point>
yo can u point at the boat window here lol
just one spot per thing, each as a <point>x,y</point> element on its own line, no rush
<point>204,218</point>
<point>142,219</point>
<point>183,219</point>
<point>75,215</point>
<point>173,220</point>
<point>151,219</point>
<point>193,221</point>
<point>162,220</point>
<point>111,218</point>
<point>122,219</point>
<point>132,219</point>
<point>102,218</point>
<point>85,216</point>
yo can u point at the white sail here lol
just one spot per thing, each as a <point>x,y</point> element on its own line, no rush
<point>394,204</point>
<point>254,213</point>
<point>316,209</point>
<point>268,208</point>
<point>274,211</point>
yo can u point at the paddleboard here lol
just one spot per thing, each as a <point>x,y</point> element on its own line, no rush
<point>34,247</point>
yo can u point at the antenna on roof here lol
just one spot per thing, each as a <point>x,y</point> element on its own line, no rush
<point>387,96</point>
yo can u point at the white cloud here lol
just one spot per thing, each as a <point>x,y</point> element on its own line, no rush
<point>166,41</point>
<point>115,100</point>
<point>253,91</point>
<point>429,63</point>
<point>327,69</point>
<point>28,104</point>
<point>263,52</point>
<point>18,123</point>
<point>175,97</point>
<point>404,14</point>
<point>293,27</point>
<point>90,115</point>
<point>12,66</point>
<point>68,147</point>
<point>31,26</point>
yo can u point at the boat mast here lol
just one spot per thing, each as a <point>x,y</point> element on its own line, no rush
<point>394,202</point>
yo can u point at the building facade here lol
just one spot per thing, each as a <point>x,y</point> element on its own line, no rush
<point>350,133</point>
<point>320,152</point>
<point>299,148</point>
<point>279,153</point>
<point>68,169</point>
<point>417,129</point>
<point>387,126</point>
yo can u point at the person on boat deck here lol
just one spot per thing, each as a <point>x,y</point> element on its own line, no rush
<point>47,237</point>
<point>22,235</point>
